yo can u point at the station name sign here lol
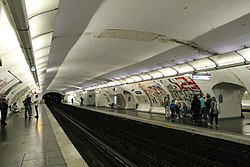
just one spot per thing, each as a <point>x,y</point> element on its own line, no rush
<point>203,77</point>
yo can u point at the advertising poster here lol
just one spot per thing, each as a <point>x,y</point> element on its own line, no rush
<point>5,79</point>
<point>182,88</point>
<point>19,94</point>
<point>154,91</point>
<point>5,93</point>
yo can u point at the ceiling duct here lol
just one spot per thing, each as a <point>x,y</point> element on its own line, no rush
<point>17,14</point>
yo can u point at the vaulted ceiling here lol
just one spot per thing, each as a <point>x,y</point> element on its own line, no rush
<point>98,41</point>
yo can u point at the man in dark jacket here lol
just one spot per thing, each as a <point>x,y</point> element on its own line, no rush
<point>196,107</point>
<point>4,111</point>
<point>207,107</point>
<point>27,105</point>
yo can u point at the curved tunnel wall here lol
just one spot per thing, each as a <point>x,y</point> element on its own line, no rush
<point>183,88</point>
<point>148,96</point>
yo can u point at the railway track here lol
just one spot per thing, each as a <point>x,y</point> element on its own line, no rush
<point>93,150</point>
<point>107,140</point>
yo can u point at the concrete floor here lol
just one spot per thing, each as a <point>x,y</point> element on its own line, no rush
<point>35,142</point>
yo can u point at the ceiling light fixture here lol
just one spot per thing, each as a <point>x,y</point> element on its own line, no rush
<point>226,60</point>
<point>33,69</point>
<point>17,14</point>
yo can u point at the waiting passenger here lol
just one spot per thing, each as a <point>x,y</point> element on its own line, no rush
<point>81,101</point>
<point>166,103</point>
<point>4,111</point>
<point>27,104</point>
<point>214,112</point>
<point>207,107</point>
<point>172,108</point>
<point>178,107</point>
<point>36,105</point>
<point>195,107</point>
<point>202,102</point>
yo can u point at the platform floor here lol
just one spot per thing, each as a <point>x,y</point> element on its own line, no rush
<point>34,142</point>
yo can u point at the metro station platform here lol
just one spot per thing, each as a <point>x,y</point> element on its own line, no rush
<point>35,142</point>
<point>42,143</point>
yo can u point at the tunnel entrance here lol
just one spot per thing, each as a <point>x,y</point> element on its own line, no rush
<point>52,97</point>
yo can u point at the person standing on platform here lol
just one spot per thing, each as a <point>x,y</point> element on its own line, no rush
<point>81,101</point>
<point>4,111</point>
<point>195,107</point>
<point>172,108</point>
<point>72,100</point>
<point>26,112</point>
<point>166,104</point>
<point>207,107</point>
<point>202,101</point>
<point>36,105</point>
<point>27,104</point>
<point>178,108</point>
<point>214,112</point>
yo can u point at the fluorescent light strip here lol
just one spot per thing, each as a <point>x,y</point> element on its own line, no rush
<point>245,53</point>
<point>168,72</point>
<point>145,76</point>
<point>136,78</point>
<point>205,68</point>
<point>123,81</point>
<point>112,83</point>
<point>203,64</point>
<point>129,80</point>
<point>198,65</point>
<point>183,68</point>
<point>156,74</point>
<point>228,59</point>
